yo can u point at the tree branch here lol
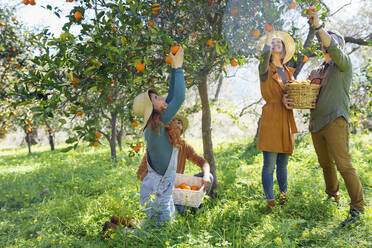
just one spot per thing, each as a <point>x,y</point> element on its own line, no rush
<point>250,105</point>
<point>359,41</point>
<point>340,9</point>
<point>220,80</point>
<point>353,50</point>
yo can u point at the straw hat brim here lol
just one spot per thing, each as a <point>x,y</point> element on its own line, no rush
<point>184,120</point>
<point>142,107</point>
<point>290,46</point>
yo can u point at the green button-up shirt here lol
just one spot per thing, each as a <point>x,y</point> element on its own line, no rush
<point>333,100</point>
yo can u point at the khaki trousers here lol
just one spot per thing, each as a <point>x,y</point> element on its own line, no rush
<point>332,148</point>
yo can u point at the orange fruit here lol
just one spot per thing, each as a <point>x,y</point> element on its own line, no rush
<point>174,49</point>
<point>189,80</point>
<point>268,27</point>
<point>32,2</point>
<point>95,144</point>
<point>140,67</point>
<point>150,24</point>
<point>292,5</point>
<point>78,15</point>
<point>108,99</point>
<point>305,59</point>
<point>29,130</point>
<point>99,64</point>
<point>254,11</point>
<point>31,123</point>
<point>224,68</point>
<point>234,11</point>
<point>134,124</point>
<point>193,35</point>
<point>98,135</point>
<point>309,11</point>
<point>25,2</point>
<point>177,1</point>
<point>256,33</point>
<point>234,62</point>
<point>210,43</point>
<point>194,188</point>
<point>210,2</point>
<point>113,29</point>
<point>13,114</point>
<point>136,148</point>
<point>168,60</point>
<point>79,113</point>
<point>100,90</point>
<point>75,81</point>
<point>69,1</point>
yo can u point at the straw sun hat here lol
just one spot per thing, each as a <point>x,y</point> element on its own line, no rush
<point>288,41</point>
<point>142,107</point>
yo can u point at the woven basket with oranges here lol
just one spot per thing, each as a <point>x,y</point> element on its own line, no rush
<point>304,94</point>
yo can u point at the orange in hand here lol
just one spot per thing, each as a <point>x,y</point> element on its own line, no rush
<point>292,5</point>
<point>309,11</point>
<point>174,49</point>
<point>168,60</point>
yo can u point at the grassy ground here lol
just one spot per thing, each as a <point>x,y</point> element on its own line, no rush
<point>62,200</point>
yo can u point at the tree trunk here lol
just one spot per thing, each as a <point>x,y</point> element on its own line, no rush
<point>258,129</point>
<point>120,136</point>
<point>206,128</point>
<point>28,140</point>
<point>113,135</point>
<point>51,140</point>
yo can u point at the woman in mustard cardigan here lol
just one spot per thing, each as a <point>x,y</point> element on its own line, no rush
<point>277,125</point>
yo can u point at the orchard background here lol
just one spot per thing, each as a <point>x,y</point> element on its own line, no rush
<point>69,71</point>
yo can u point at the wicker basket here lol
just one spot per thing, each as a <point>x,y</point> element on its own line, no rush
<point>304,96</point>
<point>190,198</point>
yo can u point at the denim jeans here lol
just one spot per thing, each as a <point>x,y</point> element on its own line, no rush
<point>270,160</point>
<point>182,210</point>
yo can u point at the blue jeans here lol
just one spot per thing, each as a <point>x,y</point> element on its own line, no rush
<point>182,210</point>
<point>270,160</point>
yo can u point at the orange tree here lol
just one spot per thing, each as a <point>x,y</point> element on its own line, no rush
<point>215,34</point>
<point>91,76</point>
<point>14,54</point>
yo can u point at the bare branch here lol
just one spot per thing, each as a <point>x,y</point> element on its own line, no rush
<point>105,134</point>
<point>340,9</point>
<point>247,107</point>
<point>353,50</point>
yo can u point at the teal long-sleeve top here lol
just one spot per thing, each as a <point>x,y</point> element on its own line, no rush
<point>158,145</point>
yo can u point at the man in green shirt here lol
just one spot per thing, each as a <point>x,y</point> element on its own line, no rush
<point>329,120</point>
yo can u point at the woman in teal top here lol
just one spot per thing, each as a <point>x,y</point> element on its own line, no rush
<point>157,187</point>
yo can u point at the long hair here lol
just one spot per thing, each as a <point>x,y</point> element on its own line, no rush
<point>174,134</point>
<point>154,121</point>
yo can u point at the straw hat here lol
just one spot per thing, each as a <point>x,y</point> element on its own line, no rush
<point>183,119</point>
<point>288,41</point>
<point>142,107</point>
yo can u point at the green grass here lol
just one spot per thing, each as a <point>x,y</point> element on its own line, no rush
<point>85,188</point>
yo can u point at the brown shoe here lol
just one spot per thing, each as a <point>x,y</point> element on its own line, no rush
<point>107,230</point>
<point>283,198</point>
<point>270,204</point>
<point>123,221</point>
